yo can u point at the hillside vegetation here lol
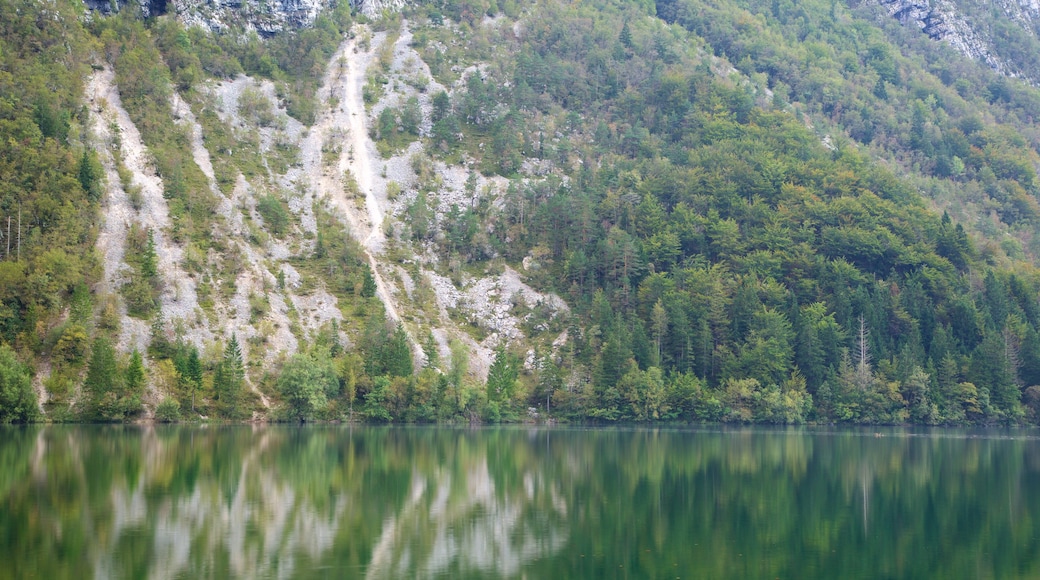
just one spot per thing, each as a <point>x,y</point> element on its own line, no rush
<point>752,212</point>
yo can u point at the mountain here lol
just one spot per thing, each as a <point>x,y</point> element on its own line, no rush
<point>476,211</point>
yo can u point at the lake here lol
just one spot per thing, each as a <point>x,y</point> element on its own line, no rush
<point>440,502</point>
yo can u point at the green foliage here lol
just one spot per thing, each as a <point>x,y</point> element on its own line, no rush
<point>109,393</point>
<point>141,290</point>
<point>17,397</point>
<point>375,408</point>
<point>72,346</point>
<point>296,59</point>
<point>386,347</point>
<point>49,185</point>
<point>134,377</point>
<point>193,375</point>
<point>723,237</point>
<point>306,383</point>
<point>503,376</point>
<point>228,381</point>
<point>145,84</point>
<point>91,175</point>
<point>275,214</point>
<point>168,411</point>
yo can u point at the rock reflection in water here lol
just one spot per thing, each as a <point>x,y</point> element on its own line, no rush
<point>450,526</point>
<point>341,502</point>
<point>273,502</point>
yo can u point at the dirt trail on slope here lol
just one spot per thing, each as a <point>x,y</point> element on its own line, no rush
<point>343,79</point>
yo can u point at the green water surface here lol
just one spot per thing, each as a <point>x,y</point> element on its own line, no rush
<point>358,502</point>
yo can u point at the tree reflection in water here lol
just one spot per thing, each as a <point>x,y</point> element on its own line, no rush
<point>274,501</point>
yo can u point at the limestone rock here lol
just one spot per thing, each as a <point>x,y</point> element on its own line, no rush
<point>266,17</point>
<point>952,22</point>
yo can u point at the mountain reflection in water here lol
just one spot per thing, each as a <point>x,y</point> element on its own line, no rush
<point>358,502</point>
<point>266,502</point>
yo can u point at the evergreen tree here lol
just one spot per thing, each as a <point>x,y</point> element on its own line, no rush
<point>101,374</point>
<point>91,174</point>
<point>625,37</point>
<point>101,386</point>
<point>430,350</point>
<point>193,374</point>
<point>502,376</point>
<point>229,379</point>
<point>159,346</point>
<point>150,260</point>
<point>397,355</point>
<point>134,377</point>
<point>368,283</point>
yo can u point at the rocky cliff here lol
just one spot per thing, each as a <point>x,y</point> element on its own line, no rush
<point>1000,34</point>
<point>266,18</point>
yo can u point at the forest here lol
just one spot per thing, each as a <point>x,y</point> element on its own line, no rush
<point>783,212</point>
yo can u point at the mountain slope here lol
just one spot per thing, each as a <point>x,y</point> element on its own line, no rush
<point>738,211</point>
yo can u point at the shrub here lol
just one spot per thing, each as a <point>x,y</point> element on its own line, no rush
<point>168,411</point>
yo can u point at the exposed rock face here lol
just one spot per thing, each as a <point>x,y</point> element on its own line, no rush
<point>148,7</point>
<point>267,17</point>
<point>958,23</point>
<point>373,8</point>
<point>941,20</point>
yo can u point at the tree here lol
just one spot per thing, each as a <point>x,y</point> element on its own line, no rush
<point>134,377</point>
<point>411,116</point>
<point>91,174</point>
<point>17,397</point>
<point>375,401</point>
<point>431,351</point>
<point>150,260</point>
<point>625,37</point>
<point>397,355</point>
<point>159,346</point>
<point>306,382</point>
<point>864,377</point>
<point>229,378</point>
<point>502,376</point>
<point>386,123</point>
<point>100,383</point>
<point>646,394</point>
<point>193,374</point>
<point>659,324</point>
<point>350,368</point>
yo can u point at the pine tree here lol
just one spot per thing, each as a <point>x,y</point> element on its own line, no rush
<point>229,379</point>
<point>625,37</point>
<point>430,349</point>
<point>134,377</point>
<point>90,174</point>
<point>397,355</point>
<point>368,283</point>
<point>502,376</point>
<point>159,345</point>
<point>100,384</point>
<point>150,260</point>
<point>193,374</point>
